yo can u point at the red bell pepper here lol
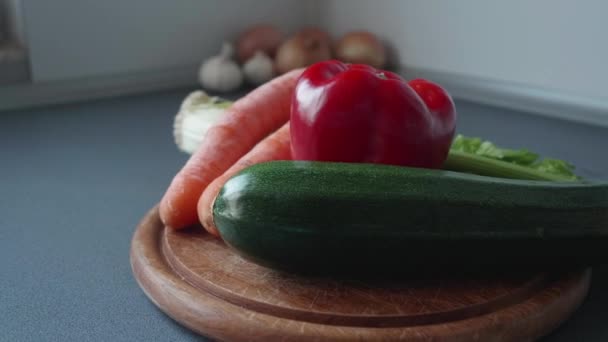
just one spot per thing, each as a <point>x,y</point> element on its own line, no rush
<point>355,113</point>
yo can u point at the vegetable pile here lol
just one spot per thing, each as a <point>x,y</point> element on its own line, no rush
<point>339,112</point>
<point>263,51</point>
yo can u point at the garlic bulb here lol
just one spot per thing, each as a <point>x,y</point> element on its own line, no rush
<point>196,115</point>
<point>258,69</point>
<point>221,73</point>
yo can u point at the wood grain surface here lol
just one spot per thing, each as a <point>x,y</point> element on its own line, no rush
<point>201,283</point>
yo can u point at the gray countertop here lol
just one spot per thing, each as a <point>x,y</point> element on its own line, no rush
<point>76,179</point>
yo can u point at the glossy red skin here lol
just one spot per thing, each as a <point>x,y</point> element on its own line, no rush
<point>355,113</point>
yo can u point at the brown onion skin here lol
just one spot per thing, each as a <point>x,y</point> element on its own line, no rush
<point>306,47</point>
<point>361,47</point>
<point>265,38</point>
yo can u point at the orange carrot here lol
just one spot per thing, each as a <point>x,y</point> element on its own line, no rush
<point>246,122</point>
<point>274,147</point>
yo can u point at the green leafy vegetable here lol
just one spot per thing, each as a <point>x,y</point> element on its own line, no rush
<point>474,155</point>
<point>488,149</point>
<point>555,166</point>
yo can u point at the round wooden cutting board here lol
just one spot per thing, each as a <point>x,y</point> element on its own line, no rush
<point>201,283</point>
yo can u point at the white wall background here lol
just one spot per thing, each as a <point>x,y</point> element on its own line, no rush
<point>543,56</point>
<point>71,39</point>
<point>551,44</point>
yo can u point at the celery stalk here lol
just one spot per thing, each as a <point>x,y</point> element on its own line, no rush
<point>471,163</point>
<point>474,155</point>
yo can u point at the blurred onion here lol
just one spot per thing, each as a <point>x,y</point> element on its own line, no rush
<point>265,38</point>
<point>362,48</point>
<point>306,47</point>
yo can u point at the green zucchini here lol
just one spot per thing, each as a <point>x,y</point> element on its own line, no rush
<point>320,216</point>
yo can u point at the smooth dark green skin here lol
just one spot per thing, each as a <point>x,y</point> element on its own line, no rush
<point>330,217</point>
